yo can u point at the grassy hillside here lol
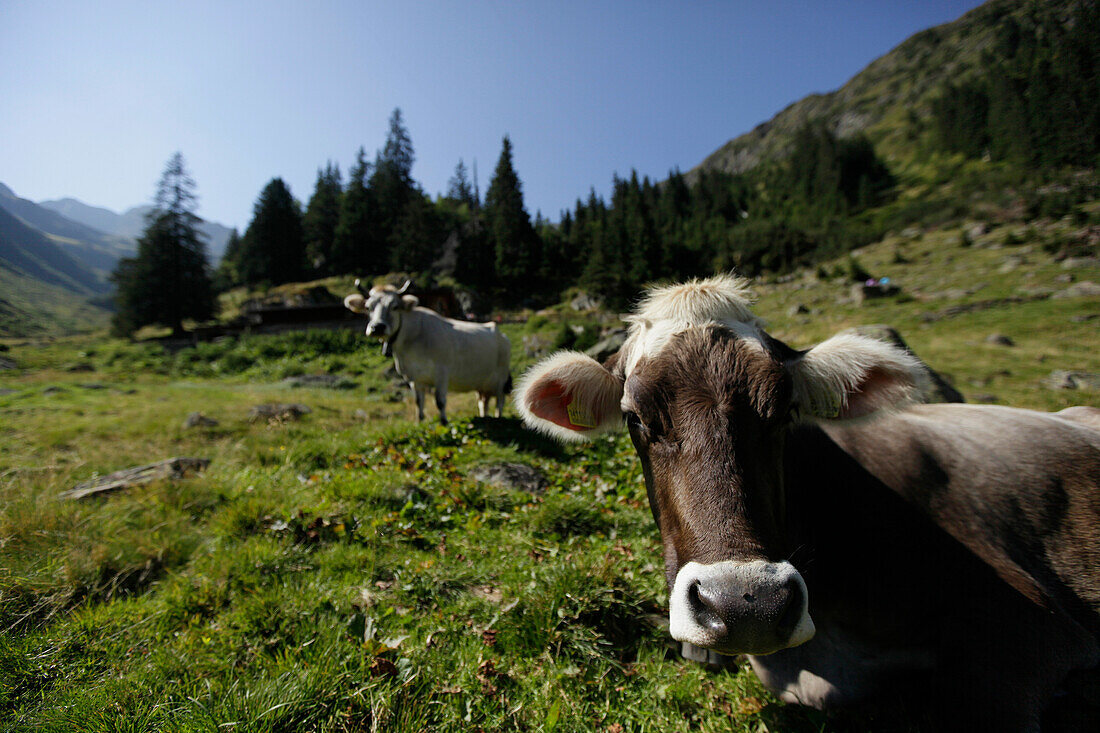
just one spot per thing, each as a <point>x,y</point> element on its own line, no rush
<point>30,307</point>
<point>34,254</point>
<point>890,100</point>
<point>344,572</point>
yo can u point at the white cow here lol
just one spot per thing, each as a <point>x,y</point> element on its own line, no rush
<point>431,351</point>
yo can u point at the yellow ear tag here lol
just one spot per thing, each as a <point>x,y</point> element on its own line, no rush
<point>579,416</point>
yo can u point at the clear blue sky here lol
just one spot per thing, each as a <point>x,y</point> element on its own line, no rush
<point>96,96</point>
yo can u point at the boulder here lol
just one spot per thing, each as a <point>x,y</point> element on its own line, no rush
<point>1063,379</point>
<point>940,390</point>
<point>1083,289</point>
<point>535,345</point>
<point>861,292</point>
<point>325,381</point>
<point>608,345</point>
<point>999,339</point>
<point>1073,263</point>
<point>198,420</point>
<point>277,412</point>
<point>514,476</point>
<point>978,230</point>
<point>585,302</point>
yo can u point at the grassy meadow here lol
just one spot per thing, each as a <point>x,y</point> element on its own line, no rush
<point>343,572</point>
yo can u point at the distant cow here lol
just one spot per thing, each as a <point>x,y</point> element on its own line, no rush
<point>433,352</point>
<point>945,554</point>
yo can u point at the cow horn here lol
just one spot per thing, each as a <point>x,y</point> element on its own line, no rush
<point>360,288</point>
<point>404,288</point>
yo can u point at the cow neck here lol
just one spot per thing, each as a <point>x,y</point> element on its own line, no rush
<point>387,345</point>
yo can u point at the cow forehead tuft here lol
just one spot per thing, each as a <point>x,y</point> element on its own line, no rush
<point>719,298</point>
<point>723,300</point>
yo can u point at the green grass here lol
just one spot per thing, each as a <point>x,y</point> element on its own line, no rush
<point>343,573</point>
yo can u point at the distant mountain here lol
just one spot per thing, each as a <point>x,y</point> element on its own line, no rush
<point>131,224</point>
<point>96,217</point>
<point>56,259</point>
<point>890,101</point>
<point>92,247</point>
<point>34,254</point>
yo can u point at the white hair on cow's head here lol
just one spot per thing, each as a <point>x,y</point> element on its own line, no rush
<point>719,298</point>
<point>665,311</point>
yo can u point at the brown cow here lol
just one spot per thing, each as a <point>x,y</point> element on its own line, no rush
<point>854,547</point>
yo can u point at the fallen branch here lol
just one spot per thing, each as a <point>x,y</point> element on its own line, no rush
<point>172,468</point>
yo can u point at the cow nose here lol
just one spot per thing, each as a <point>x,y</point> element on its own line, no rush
<point>376,329</point>
<point>747,608</point>
<point>736,607</point>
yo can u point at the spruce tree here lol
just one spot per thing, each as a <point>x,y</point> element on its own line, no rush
<point>459,188</point>
<point>420,234</point>
<point>510,234</point>
<point>393,189</point>
<point>320,220</point>
<point>273,250</point>
<point>169,279</point>
<point>228,273</point>
<point>354,245</point>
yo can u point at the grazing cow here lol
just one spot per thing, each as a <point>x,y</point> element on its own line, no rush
<point>431,351</point>
<point>855,547</point>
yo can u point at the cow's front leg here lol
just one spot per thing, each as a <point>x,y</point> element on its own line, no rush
<point>419,392</point>
<point>482,403</point>
<point>500,402</point>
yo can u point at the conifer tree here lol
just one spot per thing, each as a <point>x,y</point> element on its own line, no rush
<point>169,279</point>
<point>320,220</point>
<point>273,250</point>
<point>393,188</point>
<point>460,189</point>
<point>354,245</point>
<point>510,234</point>
<point>419,232</point>
<point>228,273</point>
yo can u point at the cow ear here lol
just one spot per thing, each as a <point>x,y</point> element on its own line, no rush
<point>408,302</point>
<point>851,376</point>
<point>356,303</point>
<point>570,396</point>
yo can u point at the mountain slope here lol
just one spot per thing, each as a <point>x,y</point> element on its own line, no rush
<point>32,307</point>
<point>94,249</point>
<point>56,225</point>
<point>131,224</point>
<point>889,101</point>
<point>34,254</point>
<point>95,217</point>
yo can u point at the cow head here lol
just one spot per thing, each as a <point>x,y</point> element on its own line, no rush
<point>384,306</point>
<point>708,398</point>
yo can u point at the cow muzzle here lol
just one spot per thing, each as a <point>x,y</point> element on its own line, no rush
<point>377,328</point>
<point>734,607</point>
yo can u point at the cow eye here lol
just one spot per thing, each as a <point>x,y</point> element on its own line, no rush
<point>633,422</point>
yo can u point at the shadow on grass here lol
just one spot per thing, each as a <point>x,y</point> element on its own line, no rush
<point>510,431</point>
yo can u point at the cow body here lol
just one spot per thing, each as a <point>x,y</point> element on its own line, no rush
<point>952,579</point>
<point>853,548</point>
<point>431,352</point>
